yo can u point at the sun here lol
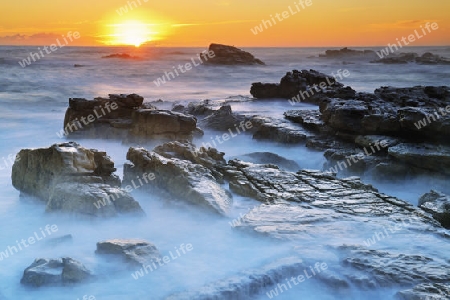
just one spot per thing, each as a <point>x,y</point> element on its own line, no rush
<point>133,33</point>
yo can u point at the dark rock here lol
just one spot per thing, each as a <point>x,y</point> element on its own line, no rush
<point>347,53</point>
<point>402,58</point>
<point>426,291</point>
<point>310,119</point>
<point>54,272</point>
<point>229,55</point>
<point>222,119</point>
<point>282,131</point>
<point>121,56</point>
<point>432,59</point>
<point>72,179</point>
<point>437,204</point>
<point>137,252</point>
<point>269,158</point>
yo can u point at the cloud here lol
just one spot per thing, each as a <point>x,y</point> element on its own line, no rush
<point>214,23</point>
<point>403,24</point>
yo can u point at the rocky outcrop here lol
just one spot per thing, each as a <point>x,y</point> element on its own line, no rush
<point>223,119</point>
<point>72,179</point>
<point>248,283</point>
<point>229,55</point>
<point>55,272</point>
<point>405,58</point>
<point>283,131</point>
<point>121,56</point>
<point>347,53</point>
<point>126,117</point>
<point>426,291</point>
<point>269,158</point>
<point>136,252</point>
<point>438,205</point>
<point>293,83</point>
<point>181,178</point>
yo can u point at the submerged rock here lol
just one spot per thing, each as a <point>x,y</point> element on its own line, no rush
<point>180,178</point>
<point>54,272</point>
<point>437,204</point>
<point>121,56</point>
<point>137,252</point>
<point>72,179</point>
<point>248,283</point>
<point>347,53</point>
<point>229,55</point>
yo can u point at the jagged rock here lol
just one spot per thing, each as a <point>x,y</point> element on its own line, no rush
<point>293,83</point>
<point>72,179</point>
<point>248,283</point>
<point>437,204</point>
<point>51,272</point>
<point>310,119</point>
<point>181,178</point>
<point>222,119</point>
<point>368,141</point>
<point>229,55</point>
<point>269,158</point>
<point>425,156</point>
<point>426,291</point>
<point>137,252</point>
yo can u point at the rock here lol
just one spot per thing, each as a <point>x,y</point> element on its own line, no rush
<point>269,158</point>
<point>437,204</point>
<point>424,156</point>
<point>367,141</point>
<point>402,58</point>
<point>432,59</point>
<point>283,131</point>
<point>181,178</point>
<point>137,252</point>
<point>68,238</point>
<point>121,56</point>
<point>347,53</point>
<point>293,83</point>
<point>229,55</point>
<point>248,283</point>
<point>310,119</point>
<point>72,179</point>
<point>426,291</point>
<point>164,123</point>
<point>222,119</point>
<point>126,117</point>
<point>54,272</point>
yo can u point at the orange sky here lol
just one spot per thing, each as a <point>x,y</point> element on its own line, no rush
<point>200,22</point>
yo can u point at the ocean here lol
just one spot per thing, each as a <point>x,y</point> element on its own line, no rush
<point>33,101</point>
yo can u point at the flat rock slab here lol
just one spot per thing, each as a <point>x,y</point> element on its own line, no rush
<point>138,252</point>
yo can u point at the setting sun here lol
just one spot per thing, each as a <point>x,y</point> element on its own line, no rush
<point>130,33</point>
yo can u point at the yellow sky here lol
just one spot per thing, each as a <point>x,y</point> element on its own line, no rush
<point>200,22</point>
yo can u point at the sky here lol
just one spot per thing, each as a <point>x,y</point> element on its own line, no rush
<point>188,23</point>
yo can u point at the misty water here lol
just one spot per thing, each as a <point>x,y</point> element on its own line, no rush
<point>33,101</point>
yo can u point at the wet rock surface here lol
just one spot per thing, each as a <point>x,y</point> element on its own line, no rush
<point>229,55</point>
<point>437,204</point>
<point>55,272</point>
<point>181,178</point>
<point>72,179</point>
<point>126,117</point>
<point>136,252</point>
<point>426,291</point>
<point>347,53</point>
